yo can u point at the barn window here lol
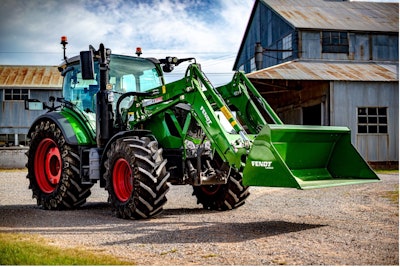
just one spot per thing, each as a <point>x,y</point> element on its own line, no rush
<point>287,45</point>
<point>372,120</point>
<point>335,42</point>
<point>16,94</point>
<point>253,64</point>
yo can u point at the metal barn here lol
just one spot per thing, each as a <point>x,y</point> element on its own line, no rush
<point>323,62</point>
<point>18,83</point>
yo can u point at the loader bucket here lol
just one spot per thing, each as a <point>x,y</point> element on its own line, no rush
<point>305,157</point>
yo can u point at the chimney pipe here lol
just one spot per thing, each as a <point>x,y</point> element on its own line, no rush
<point>258,55</point>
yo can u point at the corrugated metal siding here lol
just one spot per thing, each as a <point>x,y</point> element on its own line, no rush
<point>310,45</point>
<point>346,97</point>
<point>356,16</point>
<point>268,28</point>
<point>329,71</point>
<point>362,47</point>
<point>30,77</point>
<point>13,116</point>
<point>42,82</point>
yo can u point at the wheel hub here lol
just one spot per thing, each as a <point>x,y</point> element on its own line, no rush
<point>48,164</point>
<point>122,180</point>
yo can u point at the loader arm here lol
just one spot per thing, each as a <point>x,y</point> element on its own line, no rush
<point>241,95</point>
<point>196,91</point>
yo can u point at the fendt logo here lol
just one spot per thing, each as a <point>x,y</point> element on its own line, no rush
<point>266,164</point>
<point>204,112</point>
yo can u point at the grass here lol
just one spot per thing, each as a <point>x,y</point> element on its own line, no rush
<point>212,255</point>
<point>174,250</point>
<point>378,171</point>
<point>393,196</point>
<point>14,170</point>
<point>25,249</point>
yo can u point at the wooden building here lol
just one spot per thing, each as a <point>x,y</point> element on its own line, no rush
<point>16,84</point>
<point>325,62</point>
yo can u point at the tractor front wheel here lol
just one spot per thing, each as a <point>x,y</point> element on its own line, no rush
<point>53,169</point>
<point>136,178</point>
<point>223,196</point>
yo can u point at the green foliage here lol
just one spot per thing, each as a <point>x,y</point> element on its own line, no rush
<point>23,249</point>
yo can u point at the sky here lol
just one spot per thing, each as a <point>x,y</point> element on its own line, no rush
<point>209,30</point>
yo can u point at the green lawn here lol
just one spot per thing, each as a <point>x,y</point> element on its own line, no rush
<point>26,249</point>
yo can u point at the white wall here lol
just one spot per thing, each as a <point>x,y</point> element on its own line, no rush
<point>346,97</point>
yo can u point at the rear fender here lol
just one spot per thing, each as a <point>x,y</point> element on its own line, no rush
<point>67,130</point>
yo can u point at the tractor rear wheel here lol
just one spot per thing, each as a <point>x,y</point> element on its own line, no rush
<point>136,178</point>
<point>53,169</point>
<point>223,196</point>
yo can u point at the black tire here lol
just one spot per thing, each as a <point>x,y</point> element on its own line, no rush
<point>223,197</point>
<point>53,169</point>
<point>136,178</point>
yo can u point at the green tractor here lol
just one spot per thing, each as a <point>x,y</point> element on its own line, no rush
<point>119,124</point>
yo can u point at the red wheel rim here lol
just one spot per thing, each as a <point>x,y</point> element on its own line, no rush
<point>122,180</point>
<point>210,190</point>
<point>47,165</point>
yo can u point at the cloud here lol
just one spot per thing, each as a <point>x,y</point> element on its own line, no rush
<point>157,26</point>
<point>209,30</point>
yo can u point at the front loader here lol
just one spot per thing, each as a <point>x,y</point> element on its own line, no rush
<point>120,124</point>
<point>298,156</point>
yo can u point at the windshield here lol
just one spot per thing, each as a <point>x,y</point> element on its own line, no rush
<point>127,74</point>
<point>131,74</point>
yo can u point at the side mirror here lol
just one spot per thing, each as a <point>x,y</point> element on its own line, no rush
<point>87,65</point>
<point>33,104</point>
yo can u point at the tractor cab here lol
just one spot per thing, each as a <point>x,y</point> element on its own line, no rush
<point>126,74</point>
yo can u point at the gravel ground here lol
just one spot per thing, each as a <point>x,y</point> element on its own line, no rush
<point>351,225</point>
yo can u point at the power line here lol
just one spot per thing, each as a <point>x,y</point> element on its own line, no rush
<point>27,52</point>
<point>125,52</point>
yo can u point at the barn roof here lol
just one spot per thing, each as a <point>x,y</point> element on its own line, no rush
<point>328,71</point>
<point>30,76</point>
<point>338,15</point>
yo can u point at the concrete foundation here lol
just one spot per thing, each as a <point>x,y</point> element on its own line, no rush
<point>13,157</point>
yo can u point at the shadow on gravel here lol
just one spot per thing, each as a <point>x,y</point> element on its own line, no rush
<point>172,226</point>
<point>217,232</point>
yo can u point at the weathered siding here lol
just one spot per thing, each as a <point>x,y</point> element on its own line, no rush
<point>385,47</point>
<point>14,119</point>
<point>346,97</point>
<point>40,81</point>
<point>310,44</point>
<point>269,29</point>
<point>362,47</point>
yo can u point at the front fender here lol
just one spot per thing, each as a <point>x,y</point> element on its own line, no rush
<point>139,133</point>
